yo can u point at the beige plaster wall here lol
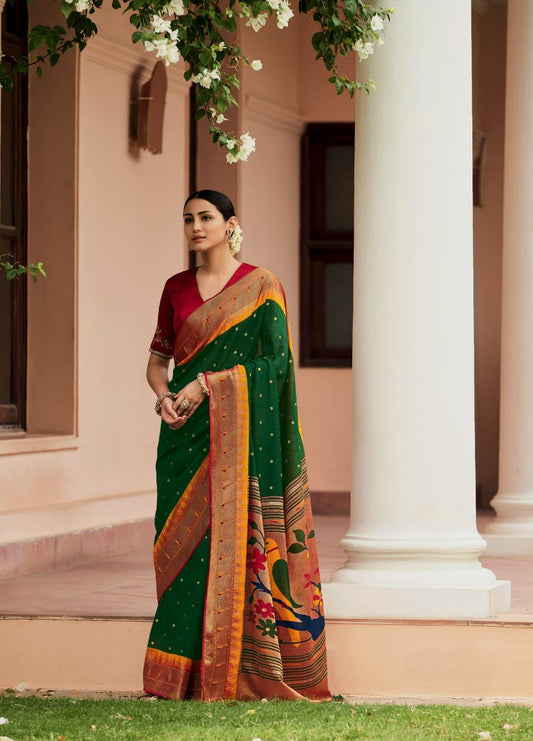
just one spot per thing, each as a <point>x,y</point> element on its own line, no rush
<point>129,242</point>
<point>489,33</point>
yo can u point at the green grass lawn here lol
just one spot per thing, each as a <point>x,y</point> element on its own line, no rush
<point>65,719</point>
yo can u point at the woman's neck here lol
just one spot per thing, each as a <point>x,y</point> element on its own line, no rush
<point>218,261</point>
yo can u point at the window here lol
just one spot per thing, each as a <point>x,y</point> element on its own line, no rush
<point>327,198</point>
<point>13,217</point>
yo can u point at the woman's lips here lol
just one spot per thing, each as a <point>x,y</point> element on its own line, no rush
<point>197,239</point>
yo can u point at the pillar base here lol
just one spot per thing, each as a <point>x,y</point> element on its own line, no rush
<point>508,546</point>
<point>447,603</point>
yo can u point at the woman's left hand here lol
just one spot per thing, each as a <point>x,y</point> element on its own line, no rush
<point>192,393</point>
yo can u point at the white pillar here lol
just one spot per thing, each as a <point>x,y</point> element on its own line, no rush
<point>412,545</point>
<point>511,534</point>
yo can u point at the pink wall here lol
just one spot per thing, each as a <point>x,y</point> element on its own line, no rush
<point>129,241</point>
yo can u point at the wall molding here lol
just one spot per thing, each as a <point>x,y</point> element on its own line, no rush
<point>72,549</point>
<point>128,59</point>
<point>270,114</point>
<point>23,443</point>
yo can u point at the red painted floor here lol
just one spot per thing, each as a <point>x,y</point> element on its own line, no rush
<point>124,586</point>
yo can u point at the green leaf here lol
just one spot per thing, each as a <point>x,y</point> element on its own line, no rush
<point>254,525</point>
<point>300,535</point>
<point>253,541</point>
<point>66,8</point>
<point>296,548</point>
<point>10,274</point>
<point>135,36</point>
<point>116,4</point>
<point>200,113</point>
<point>311,534</point>
<point>39,71</point>
<point>42,271</point>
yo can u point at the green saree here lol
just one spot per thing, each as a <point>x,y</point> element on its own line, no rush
<point>240,611</point>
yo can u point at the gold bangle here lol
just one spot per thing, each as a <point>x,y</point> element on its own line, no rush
<point>200,377</point>
<point>160,398</point>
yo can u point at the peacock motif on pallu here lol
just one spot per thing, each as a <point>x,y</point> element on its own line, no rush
<point>275,602</point>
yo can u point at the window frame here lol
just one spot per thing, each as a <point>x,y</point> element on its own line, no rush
<point>318,246</point>
<point>13,416</point>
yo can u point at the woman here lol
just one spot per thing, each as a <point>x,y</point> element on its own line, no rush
<point>240,608</point>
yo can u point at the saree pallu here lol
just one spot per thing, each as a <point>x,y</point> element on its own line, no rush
<point>240,612</point>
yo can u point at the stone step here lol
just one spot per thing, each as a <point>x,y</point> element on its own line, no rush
<point>424,659</point>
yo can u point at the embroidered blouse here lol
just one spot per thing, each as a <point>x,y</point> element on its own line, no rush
<point>179,299</point>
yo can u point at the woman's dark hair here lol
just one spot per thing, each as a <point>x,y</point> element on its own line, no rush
<point>220,201</point>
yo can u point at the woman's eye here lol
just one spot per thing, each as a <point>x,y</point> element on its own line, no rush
<point>206,218</point>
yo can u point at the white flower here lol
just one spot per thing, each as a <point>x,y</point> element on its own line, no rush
<point>234,247</point>
<point>484,736</point>
<point>82,5</point>
<point>258,22</point>
<point>175,34</point>
<point>376,24</point>
<point>160,25</point>
<point>364,49</point>
<point>380,41</point>
<point>220,118</point>
<point>507,726</point>
<point>247,146</point>
<point>205,77</point>
<point>284,14</point>
<point>221,46</point>
<point>174,7</point>
<point>165,49</point>
<point>274,4</point>
<point>256,65</point>
<point>172,55</point>
<point>3,721</point>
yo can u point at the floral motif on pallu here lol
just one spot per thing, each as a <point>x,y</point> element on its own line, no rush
<point>284,629</point>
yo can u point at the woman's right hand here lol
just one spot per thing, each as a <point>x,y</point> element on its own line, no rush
<point>169,414</point>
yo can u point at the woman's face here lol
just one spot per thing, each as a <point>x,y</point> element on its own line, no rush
<point>204,225</point>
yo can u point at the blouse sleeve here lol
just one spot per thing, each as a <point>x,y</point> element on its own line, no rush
<point>163,341</point>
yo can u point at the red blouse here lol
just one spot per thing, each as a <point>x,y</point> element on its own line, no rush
<point>179,299</point>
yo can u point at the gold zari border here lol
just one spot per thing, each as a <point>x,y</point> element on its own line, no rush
<point>170,675</point>
<point>235,304</point>
<point>183,530</point>
<point>224,610</point>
